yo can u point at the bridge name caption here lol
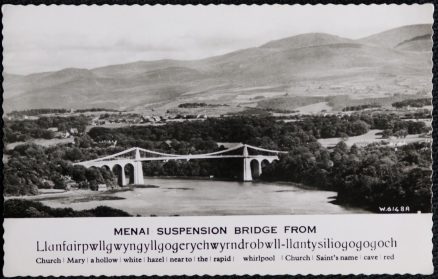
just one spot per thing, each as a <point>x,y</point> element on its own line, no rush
<point>238,230</point>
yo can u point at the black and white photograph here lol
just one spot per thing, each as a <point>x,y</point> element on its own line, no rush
<point>171,111</point>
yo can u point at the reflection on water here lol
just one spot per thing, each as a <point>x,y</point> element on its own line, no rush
<point>200,197</point>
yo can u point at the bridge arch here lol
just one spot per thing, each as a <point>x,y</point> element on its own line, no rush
<point>256,168</point>
<point>129,170</point>
<point>118,171</point>
<point>264,163</point>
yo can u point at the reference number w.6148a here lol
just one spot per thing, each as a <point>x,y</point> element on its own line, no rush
<point>394,209</point>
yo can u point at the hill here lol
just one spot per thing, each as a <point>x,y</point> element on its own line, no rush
<point>313,64</point>
<point>306,40</point>
<point>419,43</point>
<point>394,38</point>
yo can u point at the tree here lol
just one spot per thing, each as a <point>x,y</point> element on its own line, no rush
<point>94,185</point>
<point>73,154</point>
<point>341,147</point>
<point>387,133</point>
<point>58,181</point>
<point>78,173</point>
<point>343,136</point>
<point>359,127</point>
<point>84,142</point>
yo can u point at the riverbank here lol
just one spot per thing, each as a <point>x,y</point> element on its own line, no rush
<point>67,194</point>
<point>20,208</point>
<point>194,197</point>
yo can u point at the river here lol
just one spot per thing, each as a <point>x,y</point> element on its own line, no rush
<point>188,197</point>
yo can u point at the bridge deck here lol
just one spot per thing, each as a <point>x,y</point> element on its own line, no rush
<point>188,157</point>
<point>133,154</point>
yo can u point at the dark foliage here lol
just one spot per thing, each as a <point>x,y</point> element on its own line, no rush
<point>17,208</point>
<point>413,103</point>
<point>35,112</point>
<point>360,107</point>
<point>31,167</point>
<point>22,130</point>
<point>199,105</point>
<point>370,177</point>
<point>95,110</point>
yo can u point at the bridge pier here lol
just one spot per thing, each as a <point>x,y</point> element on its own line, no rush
<point>247,174</point>
<point>138,173</point>
<point>121,177</point>
<point>119,169</point>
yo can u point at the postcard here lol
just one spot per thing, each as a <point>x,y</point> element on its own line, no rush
<point>217,140</point>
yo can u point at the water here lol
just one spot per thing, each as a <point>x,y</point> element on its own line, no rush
<point>186,197</point>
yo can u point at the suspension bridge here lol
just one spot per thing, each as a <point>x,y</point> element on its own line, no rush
<point>127,165</point>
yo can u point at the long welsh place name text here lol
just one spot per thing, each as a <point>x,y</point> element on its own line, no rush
<point>220,246</point>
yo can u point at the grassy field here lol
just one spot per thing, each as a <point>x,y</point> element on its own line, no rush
<point>371,137</point>
<point>43,142</point>
<point>315,108</point>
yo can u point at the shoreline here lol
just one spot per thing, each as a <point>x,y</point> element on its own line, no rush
<point>67,199</point>
<point>131,187</point>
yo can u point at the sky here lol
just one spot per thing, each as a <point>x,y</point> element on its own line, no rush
<point>48,38</point>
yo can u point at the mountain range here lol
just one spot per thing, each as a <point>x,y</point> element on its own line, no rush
<point>397,61</point>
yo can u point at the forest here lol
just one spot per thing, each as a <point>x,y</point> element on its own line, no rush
<point>259,130</point>
<point>31,167</point>
<point>360,107</point>
<point>16,208</point>
<point>370,176</point>
<point>24,130</point>
<point>418,103</point>
<point>36,112</point>
<point>199,105</point>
